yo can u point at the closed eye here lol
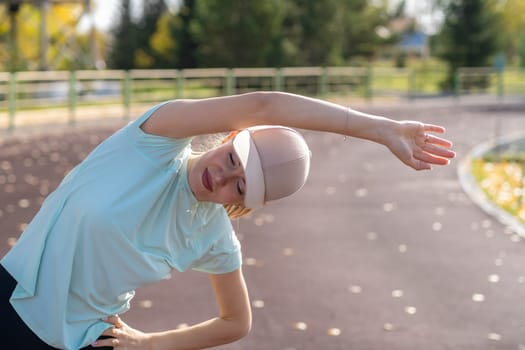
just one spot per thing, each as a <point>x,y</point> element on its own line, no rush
<point>240,183</point>
<point>240,187</point>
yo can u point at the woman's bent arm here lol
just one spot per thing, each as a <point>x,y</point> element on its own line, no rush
<point>233,323</point>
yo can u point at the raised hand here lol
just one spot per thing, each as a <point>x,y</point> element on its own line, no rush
<point>413,143</point>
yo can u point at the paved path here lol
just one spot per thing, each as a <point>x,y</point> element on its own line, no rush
<point>369,255</point>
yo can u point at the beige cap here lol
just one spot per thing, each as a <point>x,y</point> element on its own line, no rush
<point>276,162</point>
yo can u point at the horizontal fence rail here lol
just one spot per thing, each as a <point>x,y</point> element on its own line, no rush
<point>71,91</point>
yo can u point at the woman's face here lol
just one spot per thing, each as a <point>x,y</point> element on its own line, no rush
<point>218,176</point>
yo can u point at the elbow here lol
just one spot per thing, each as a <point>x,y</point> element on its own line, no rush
<point>265,106</point>
<point>241,330</point>
<point>238,329</point>
<point>245,329</point>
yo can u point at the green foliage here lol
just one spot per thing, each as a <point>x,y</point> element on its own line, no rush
<point>331,32</point>
<point>306,29</point>
<point>206,33</point>
<point>131,45</point>
<point>65,46</point>
<point>236,33</point>
<point>162,42</point>
<point>186,45</point>
<point>514,29</point>
<point>123,44</point>
<point>145,55</point>
<point>239,33</point>
<point>509,157</point>
<point>359,23</point>
<point>521,51</point>
<point>470,36</point>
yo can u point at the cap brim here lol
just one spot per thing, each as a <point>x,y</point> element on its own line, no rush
<point>249,158</point>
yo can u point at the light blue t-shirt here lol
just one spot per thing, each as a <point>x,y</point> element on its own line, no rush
<point>122,218</point>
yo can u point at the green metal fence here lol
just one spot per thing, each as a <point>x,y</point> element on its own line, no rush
<point>72,91</point>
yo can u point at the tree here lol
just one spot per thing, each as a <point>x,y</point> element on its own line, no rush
<point>67,51</point>
<point>145,55</point>
<point>470,36</point>
<point>361,20</point>
<point>514,29</point>
<point>186,43</point>
<point>123,46</point>
<point>331,32</point>
<point>521,51</point>
<point>311,34</point>
<point>64,49</point>
<point>240,33</point>
<point>236,32</point>
<point>162,42</point>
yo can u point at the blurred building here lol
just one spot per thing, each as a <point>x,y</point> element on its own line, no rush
<point>413,41</point>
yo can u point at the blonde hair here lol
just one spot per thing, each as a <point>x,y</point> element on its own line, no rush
<point>235,211</point>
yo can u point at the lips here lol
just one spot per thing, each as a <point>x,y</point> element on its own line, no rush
<point>206,180</point>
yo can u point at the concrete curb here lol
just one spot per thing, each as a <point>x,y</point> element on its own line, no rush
<point>475,193</point>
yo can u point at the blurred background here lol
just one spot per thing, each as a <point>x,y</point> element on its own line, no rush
<point>439,35</point>
<point>126,34</point>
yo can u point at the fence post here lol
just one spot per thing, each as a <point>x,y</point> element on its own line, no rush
<point>457,83</point>
<point>368,83</point>
<point>72,97</point>
<point>411,83</point>
<point>127,94</point>
<point>278,79</point>
<point>179,85</point>
<point>230,82</point>
<point>500,83</point>
<point>12,100</point>
<point>323,82</point>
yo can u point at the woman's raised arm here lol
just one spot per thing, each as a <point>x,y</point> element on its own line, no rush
<point>182,118</point>
<point>409,141</point>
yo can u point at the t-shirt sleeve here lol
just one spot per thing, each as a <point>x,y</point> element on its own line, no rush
<point>159,149</point>
<point>223,257</point>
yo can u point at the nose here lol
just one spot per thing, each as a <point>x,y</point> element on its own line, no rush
<point>221,178</point>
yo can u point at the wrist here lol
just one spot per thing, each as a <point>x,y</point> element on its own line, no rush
<point>370,127</point>
<point>387,131</point>
<point>152,341</point>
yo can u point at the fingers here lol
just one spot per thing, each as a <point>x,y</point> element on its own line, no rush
<point>114,320</point>
<point>430,158</point>
<point>434,128</point>
<point>106,342</point>
<point>438,151</point>
<point>428,155</point>
<point>434,140</point>
<point>109,337</point>
<point>112,332</point>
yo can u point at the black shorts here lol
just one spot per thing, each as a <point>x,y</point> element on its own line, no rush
<point>14,332</point>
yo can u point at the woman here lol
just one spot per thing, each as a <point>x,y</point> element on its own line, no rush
<point>142,203</point>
